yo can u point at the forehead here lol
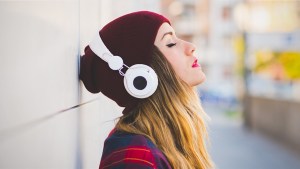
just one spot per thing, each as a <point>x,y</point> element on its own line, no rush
<point>164,28</point>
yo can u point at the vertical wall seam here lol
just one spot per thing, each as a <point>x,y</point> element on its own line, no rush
<point>78,158</point>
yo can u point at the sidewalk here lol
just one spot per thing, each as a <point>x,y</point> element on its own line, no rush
<point>234,147</point>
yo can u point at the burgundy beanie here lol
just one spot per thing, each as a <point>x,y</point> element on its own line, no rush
<point>130,36</point>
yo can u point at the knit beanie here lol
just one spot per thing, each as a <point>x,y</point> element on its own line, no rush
<point>131,37</point>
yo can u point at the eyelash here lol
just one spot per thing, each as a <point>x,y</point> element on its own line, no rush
<point>171,44</point>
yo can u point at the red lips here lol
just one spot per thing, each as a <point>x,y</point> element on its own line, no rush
<point>195,64</point>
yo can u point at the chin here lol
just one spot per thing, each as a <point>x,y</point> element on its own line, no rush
<point>198,81</point>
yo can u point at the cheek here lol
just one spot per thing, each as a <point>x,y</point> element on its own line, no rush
<point>178,63</point>
<point>173,58</point>
<point>182,68</point>
<point>168,54</point>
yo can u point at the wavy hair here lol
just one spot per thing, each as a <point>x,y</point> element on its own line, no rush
<point>172,118</point>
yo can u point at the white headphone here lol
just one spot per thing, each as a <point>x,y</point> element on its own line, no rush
<point>140,80</point>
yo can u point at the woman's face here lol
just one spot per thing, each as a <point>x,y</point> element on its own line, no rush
<point>180,55</point>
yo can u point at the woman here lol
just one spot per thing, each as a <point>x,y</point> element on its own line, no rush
<point>165,129</point>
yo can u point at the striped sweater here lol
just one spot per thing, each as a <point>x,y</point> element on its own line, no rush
<point>124,150</point>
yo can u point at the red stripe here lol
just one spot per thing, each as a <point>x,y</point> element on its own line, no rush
<point>132,160</point>
<point>112,132</point>
<point>141,155</point>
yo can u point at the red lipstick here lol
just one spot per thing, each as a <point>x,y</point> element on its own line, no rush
<point>195,64</point>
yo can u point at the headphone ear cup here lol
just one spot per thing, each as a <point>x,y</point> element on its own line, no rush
<point>140,81</point>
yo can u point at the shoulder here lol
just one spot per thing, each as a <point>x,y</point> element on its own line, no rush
<point>124,150</point>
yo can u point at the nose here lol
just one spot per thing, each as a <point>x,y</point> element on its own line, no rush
<point>189,48</point>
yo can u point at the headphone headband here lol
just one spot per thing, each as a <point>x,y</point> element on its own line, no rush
<point>99,48</point>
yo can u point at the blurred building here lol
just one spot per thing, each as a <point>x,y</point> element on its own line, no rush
<point>271,38</point>
<point>210,25</point>
<point>250,52</point>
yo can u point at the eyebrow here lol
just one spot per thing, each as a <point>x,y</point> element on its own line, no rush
<point>168,33</point>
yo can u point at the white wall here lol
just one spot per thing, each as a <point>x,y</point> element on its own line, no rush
<point>39,53</point>
<point>40,46</point>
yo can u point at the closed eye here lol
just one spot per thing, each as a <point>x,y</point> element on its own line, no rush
<point>171,44</point>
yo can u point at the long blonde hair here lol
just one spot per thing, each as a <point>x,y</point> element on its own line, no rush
<point>172,118</point>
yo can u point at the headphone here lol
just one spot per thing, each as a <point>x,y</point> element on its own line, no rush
<point>140,80</point>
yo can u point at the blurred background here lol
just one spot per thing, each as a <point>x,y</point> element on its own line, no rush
<point>249,51</point>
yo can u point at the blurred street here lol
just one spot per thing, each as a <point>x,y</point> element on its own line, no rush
<point>235,147</point>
